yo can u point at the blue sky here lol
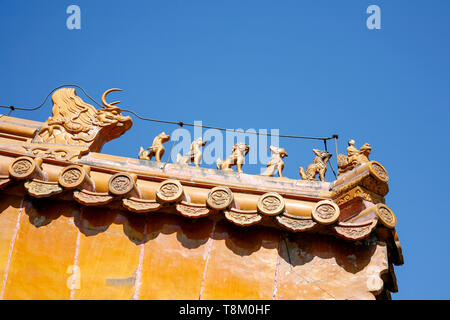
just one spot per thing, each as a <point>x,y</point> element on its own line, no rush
<point>305,67</point>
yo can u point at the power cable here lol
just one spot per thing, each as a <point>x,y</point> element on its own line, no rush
<point>179,123</point>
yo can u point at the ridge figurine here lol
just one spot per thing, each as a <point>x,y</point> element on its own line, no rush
<point>354,157</point>
<point>194,155</point>
<point>238,153</point>
<point>319,166</point>
<point>276,162</point>
<point>156,150</point>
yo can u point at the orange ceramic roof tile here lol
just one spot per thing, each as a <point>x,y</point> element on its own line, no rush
<point>60,159</point>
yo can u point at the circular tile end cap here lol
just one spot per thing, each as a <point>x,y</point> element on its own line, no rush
<point>386,216</point>
<point>120,184</point>
<point>22,168</point>
<point>325,212</point>
<point>220,198</point>
<point>378,171</point>
<point>271,204</point>
<point>169,191</point>
<point>72,177</point>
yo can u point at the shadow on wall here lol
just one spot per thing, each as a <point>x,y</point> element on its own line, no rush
<point>12,202</point>
<point>300,249</point>
<point>296,249</point>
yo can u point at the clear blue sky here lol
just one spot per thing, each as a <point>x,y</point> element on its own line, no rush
<point>306,67</point>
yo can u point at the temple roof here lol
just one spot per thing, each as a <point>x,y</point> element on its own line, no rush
<point>61,159</point>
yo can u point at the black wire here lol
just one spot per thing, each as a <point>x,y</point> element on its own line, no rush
<point>11,109</point>
<point>226,129</point>
<point>326,149</point>
<point>287,249</point>
<point>39,106</point>
<point>179,123</point>
<point>171,149</point>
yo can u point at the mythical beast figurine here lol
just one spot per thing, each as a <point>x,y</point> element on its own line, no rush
<point>76,123</point>
<point>156,150</point>
<point>194,155</point>
<point>236,158</point>
<point>319,166</point>
<point>354,157</point>
<point>276,163</point>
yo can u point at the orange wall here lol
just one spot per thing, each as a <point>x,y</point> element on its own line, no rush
<point>60,250</point>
